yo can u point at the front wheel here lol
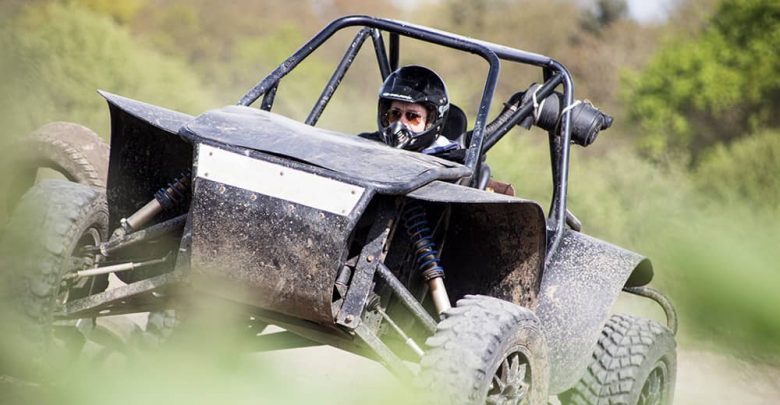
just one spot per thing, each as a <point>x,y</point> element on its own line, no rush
<point>486,351</point>
<point>635,363</point>
<point>42,243</point>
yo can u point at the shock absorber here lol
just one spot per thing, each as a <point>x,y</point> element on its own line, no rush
<point>165,199</point>
<point>426,259</point>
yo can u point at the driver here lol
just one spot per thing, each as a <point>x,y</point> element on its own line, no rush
<point>412,110</point>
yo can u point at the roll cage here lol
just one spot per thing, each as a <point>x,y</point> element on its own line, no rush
<point>554,73</point>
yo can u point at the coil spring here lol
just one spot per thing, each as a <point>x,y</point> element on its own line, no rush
<point>176,191</point>
<point>425,255</point>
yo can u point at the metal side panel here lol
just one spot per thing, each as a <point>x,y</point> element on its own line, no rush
<point>268,235</point>
<point>495,244</point>
<point>146,154</point>
<point>579,287</point>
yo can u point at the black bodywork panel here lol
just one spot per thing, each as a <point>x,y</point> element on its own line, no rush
<point>146,155</point>
<point>495,244</point>
<point>367,163</point>
<point>581,283</point>
<point>258,253</point>
<point>266,251</point>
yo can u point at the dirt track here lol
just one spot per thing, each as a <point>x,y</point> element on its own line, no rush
<point>712,378</point>
<point>703,377</point>
<point>337,377</point>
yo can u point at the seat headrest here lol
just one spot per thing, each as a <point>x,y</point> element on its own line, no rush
<point>456,123</point>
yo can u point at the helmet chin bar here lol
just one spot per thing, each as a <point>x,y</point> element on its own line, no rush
<point>398,135</point>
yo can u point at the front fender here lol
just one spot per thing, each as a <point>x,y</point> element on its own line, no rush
<point>495,244</point>
<point>146,153</point>
<point>580,284</point>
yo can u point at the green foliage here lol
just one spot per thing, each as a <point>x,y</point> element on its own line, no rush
<point>713,88</point>
<point>725,278</point>
<point>121,11</point>
<point>56,56</point>
<point>716,257</point>
<point>745,171</point>
<point>613,194</point>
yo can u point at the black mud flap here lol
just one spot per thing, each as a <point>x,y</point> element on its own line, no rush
<point>580,285</point>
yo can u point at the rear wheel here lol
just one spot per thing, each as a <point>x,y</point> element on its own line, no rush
<point>635,362</point>
<point>486,351</point>
<point>72,150</point>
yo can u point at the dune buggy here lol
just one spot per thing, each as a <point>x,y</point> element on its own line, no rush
<point>426,265</point>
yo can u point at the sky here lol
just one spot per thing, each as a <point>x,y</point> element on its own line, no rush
<point>649,10</point>
<point>640,10</point>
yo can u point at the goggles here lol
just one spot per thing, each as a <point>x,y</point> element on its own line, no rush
<point>412,117</point>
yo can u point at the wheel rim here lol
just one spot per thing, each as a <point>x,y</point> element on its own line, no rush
<point>90,237</point>
<point>69,335</point>
<point>654,389</point>
<point>511,382</point>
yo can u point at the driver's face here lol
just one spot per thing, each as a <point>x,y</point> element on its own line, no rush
<point>413,115</point>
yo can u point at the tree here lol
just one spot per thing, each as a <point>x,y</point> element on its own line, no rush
<point>56,56</point>
<point>603,14</point>
<point>714,88</point>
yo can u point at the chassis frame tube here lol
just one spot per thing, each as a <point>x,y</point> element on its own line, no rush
<point>406,297</point>
<point>338,75</point>
<point>154,231</point>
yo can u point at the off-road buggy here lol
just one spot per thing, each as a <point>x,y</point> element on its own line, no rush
<point>426,265</point>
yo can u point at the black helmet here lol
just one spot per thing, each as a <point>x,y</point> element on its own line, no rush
<point>413,84</point>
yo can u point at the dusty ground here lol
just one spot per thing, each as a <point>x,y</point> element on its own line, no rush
<point>711,378</point>
<point>331,375</point>
<point>703,377</point>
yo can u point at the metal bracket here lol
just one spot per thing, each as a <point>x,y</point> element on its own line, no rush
<point>363,277</point>
<point>661,299</point>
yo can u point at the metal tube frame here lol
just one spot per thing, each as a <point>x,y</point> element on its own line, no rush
<point>406,298</point>
<point>335,79</point>
<point>560,142</point>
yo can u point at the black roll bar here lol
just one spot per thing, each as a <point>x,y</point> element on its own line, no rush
<point>555,74</point>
